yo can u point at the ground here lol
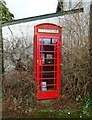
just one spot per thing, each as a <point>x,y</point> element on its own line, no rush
<point>19,99</point>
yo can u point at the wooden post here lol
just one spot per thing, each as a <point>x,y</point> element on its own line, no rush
<point>0,41</point>
<point>91,37</point>
<point>1,44</point>
<point>1,52</point>
<point>0,61</point>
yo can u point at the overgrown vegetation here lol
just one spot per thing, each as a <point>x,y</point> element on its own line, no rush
<point>76,67</point>
<point>19,85</point>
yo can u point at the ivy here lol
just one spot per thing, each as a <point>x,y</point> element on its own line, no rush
<point>6,15</point>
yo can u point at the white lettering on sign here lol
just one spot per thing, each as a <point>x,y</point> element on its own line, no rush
<point>48,30</point>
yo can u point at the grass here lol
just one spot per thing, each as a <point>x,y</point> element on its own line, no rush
<point>51,113</point>
<point>60,114</point>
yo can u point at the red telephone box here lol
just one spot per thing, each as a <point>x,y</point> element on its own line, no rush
<point>47,59</point>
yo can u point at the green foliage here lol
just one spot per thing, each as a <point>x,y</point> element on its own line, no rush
<point>86,107</point>
<point>78,98</point>
<point>15,103</point>
<point>6,15</point>
<point>30,110</point>
<point>60,114</point>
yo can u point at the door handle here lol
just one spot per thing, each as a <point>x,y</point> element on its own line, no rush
<point>39,62</point>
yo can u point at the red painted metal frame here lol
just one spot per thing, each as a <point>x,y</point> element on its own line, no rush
<point>55,92</point>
